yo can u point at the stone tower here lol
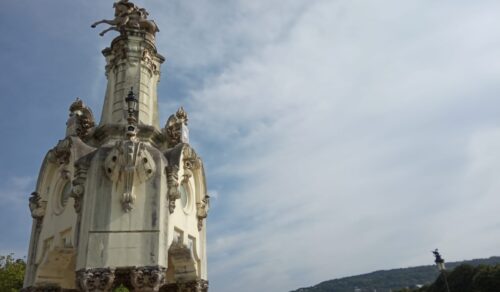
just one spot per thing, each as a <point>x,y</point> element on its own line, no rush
<point>122,202</point>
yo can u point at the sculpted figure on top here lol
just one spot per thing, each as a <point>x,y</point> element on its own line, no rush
<point>138,191</point>
<point>128,15</point>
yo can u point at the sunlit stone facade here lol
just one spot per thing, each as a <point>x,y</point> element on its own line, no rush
<point>122,201</point>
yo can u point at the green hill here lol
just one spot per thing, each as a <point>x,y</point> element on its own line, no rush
<point>465,278</point>
<point>387,280</point>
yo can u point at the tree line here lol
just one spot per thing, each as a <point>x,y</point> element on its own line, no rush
<point>465,278</point>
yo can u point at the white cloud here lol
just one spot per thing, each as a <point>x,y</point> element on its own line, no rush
<point>343,136</point>
<point>349,137</point>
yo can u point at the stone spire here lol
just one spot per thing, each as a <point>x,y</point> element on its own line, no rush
<point>132,61</point>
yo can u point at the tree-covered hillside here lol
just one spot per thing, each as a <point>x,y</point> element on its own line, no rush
<point>384,281</point>
<point>465,278</point>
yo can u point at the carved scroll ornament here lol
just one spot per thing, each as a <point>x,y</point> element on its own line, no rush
<point>191,160</point>
<point>61,153</point>
<point>173,192</point>
<point>129,162</point>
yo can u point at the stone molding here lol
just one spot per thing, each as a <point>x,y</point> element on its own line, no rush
<point>124,52</point>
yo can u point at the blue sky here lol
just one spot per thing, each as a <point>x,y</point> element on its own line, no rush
<point>339,137</point>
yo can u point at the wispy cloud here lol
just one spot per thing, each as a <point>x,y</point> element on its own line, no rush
<point>350,137</point>
<point>339,137</point>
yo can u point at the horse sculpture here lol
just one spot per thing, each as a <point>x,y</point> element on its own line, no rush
<point>127,14</point>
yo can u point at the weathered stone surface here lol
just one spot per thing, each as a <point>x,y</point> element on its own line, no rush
<point>119,202</point>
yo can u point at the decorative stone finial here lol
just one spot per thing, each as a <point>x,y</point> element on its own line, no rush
<point>176,130</point>
<point>182,115</point>
<point>148,279</point>
<point>129,15</point>
<point>81,119</point>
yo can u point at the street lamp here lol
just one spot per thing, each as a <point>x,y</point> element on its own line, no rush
<point>440,264</point>
<point>132,105</point>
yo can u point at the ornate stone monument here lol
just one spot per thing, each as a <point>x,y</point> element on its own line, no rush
<point>122,202</point>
